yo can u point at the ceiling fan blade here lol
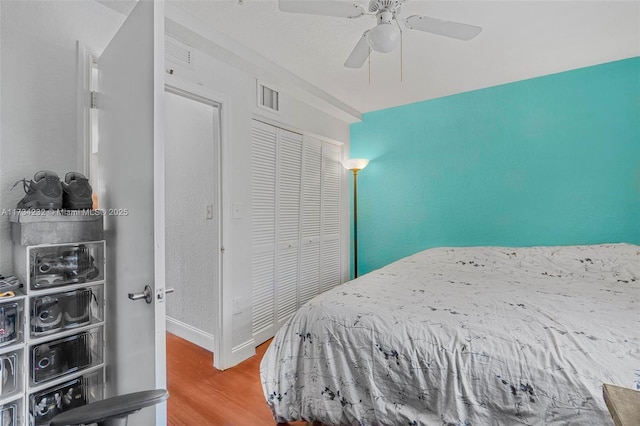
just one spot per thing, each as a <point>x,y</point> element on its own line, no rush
<point>443,28</point>
<point>337,8</point>
<point>360,53</point>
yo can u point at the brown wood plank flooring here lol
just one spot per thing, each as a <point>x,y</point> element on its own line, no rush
<point>201,395</point>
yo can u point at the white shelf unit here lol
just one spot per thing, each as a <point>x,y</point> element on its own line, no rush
<point>62,320</point>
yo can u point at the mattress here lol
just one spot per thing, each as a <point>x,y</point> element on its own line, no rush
<point>464,336</point>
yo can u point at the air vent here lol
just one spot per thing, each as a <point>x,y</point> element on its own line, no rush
<point>178,52</point>
<point>268,98</point>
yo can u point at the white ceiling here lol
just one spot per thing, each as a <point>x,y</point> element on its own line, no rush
<point>520,40</point>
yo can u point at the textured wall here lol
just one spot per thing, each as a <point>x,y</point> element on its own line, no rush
<point>191,239</point>
<point>39,116</point>
<point>551,160</point>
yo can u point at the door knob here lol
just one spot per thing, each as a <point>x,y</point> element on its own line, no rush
<point>147,295</point>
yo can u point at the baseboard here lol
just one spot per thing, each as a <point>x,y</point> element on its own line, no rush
<point>243,351</point>
<point>190,333</point>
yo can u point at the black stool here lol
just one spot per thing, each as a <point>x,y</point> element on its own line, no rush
<point>111,411</point>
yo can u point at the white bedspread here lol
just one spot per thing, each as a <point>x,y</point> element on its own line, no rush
<point>465,336</point>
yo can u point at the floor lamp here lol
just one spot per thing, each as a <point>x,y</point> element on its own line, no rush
<point>355,165</point>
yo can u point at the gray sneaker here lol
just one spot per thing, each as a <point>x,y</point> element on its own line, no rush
<point>76,192</point>
<point>43,192</point>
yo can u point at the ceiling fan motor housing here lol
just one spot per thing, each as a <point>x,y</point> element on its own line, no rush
<point>384,17</point>
<point>390,5</point>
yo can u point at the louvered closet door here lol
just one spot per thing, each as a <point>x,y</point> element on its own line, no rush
<point>289,173</point>
<point>295,223</point>
<point>332,171</point>
<point>263,226</point>
<point>310,220</point>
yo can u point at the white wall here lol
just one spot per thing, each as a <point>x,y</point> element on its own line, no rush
<point>238,86</point>
<point>38,104</point>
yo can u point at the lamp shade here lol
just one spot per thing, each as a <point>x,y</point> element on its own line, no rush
<point>384,37</point>
<point>355,163</point>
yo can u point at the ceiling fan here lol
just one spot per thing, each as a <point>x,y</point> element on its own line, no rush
<point>385,36</point>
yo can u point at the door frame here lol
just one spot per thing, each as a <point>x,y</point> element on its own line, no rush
<point>222,344</point>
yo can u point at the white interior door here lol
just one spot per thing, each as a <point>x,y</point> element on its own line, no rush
<point>132,172</point>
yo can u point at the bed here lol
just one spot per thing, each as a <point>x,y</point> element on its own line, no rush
<point>464,336</point>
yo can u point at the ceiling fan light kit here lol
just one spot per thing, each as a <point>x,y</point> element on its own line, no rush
<point>386,35</point>
<point>384,38</point>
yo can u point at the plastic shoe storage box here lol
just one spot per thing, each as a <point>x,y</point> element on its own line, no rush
<point>12,362</point>
<point>60,357</point>
<point>69,263</point>
<point>66,310</point>
<point>10,374</point>
<point>11,322</point>
<point>48,266</point>
<point>10,414</point>
<point>45,404</point>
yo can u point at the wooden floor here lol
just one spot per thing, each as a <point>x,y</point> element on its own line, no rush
<point>202,395</point>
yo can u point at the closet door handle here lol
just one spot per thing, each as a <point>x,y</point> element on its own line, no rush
<point>169,290</point>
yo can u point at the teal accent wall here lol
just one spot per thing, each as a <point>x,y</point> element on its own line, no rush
<point>553,160</point>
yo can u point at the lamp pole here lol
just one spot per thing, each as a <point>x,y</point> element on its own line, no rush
<point>355,222</point>
<point>355,165</point>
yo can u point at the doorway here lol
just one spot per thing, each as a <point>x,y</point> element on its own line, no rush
<point>192,127</point>
<point>192,215</point>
